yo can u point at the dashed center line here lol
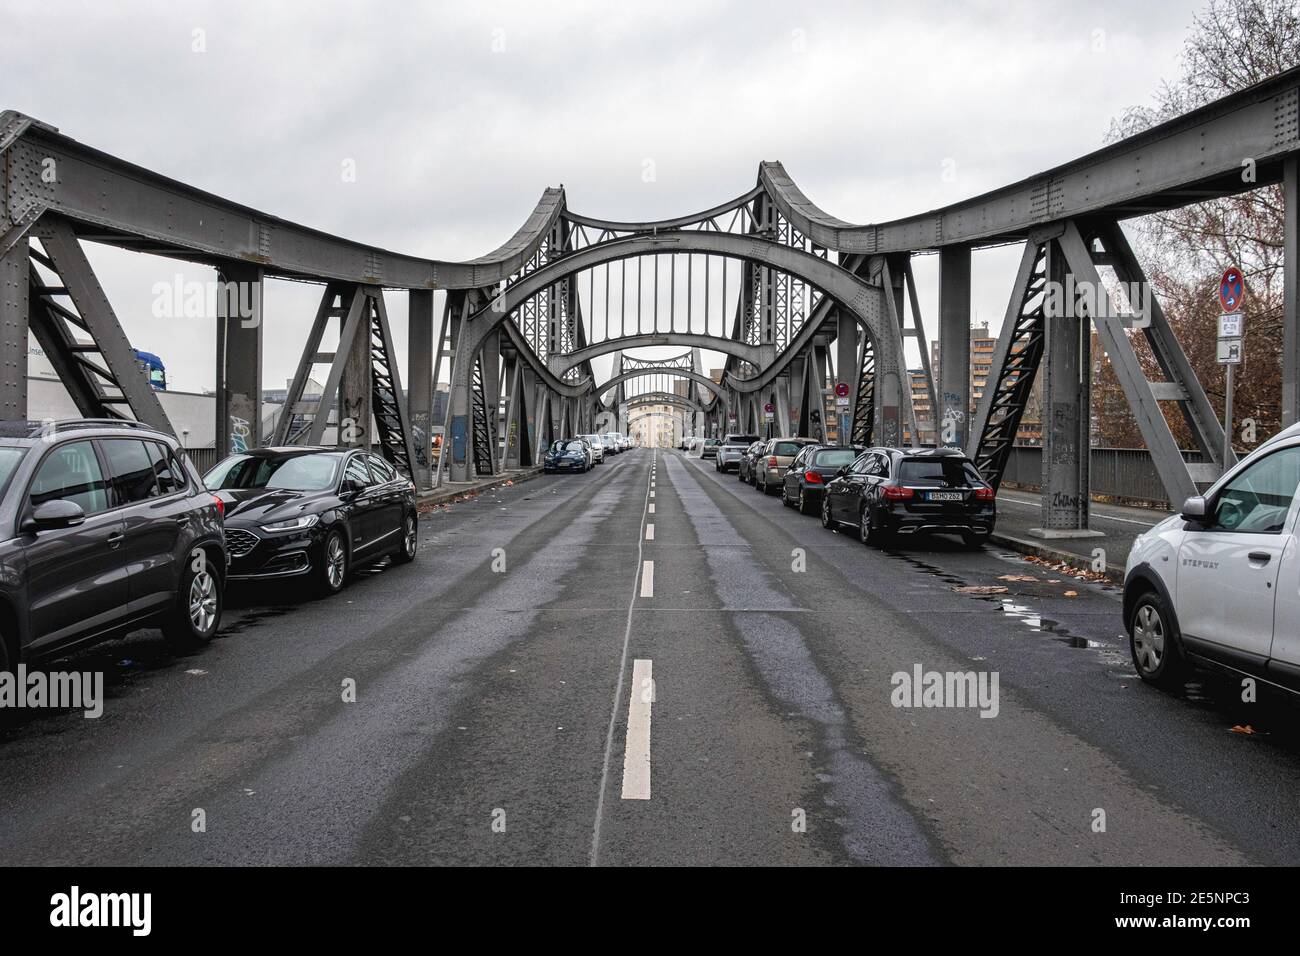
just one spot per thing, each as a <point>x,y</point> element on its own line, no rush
<point>636,754</point>
<point>647,579</point>
<point>649,532</point>
<point>652,509</point>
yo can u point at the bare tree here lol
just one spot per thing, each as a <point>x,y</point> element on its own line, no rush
<point>1232,44</point>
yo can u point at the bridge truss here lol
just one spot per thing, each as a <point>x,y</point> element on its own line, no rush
<point>538,339</point>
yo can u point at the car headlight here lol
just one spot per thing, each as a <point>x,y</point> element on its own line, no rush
<point>293,524</point>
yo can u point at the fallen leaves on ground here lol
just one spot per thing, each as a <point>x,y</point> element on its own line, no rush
<point>1016,577</point>
<point>1244,729</point>
<point>1071,593</point>
<point>1064,567</point>
<point>980,589</point>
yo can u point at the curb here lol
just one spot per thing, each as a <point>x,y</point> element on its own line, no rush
<point>1039,550</point>
<point>444,495</point>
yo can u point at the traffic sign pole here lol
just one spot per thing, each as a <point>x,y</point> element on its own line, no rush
<point>1227,418</point>
<point>1230,346</point>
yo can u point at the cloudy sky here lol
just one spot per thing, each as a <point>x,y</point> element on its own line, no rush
<point>455,116</point>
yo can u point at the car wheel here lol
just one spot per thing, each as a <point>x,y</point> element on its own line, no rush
<point>410,540</point>
<point>826,513</point>
<point>1153,641</point>
<point>866,534</point>
<point>197,613</point>
<point>973,542</point>
<point>804,507</point>
<point>333,571</point>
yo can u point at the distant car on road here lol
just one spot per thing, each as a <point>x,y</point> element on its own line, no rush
<point>731,450</point>
<point>812,469</point>
<point>1216,585</point>
<point>571,454</point>
<point>710,447</point>
<point>901,491</point>
<point>316,513</point>
<point>747,467</point>
<point>107,528</point>
<point>770,466</point>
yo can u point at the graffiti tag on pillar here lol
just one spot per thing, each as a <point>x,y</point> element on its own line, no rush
<point>239,434</point>
<point>512,435</point>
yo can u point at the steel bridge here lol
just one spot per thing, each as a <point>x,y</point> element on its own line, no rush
<point>794,299</point>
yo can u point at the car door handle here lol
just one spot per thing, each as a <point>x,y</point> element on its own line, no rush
<point>182,519</point>
<point>115,539</point>
<point>1263,557</point>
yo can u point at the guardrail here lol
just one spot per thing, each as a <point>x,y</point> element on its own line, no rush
<point>1125,475</point>
<point>203,458</point>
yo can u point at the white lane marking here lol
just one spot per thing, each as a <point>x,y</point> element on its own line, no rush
<point>649,532</point>
<point>636,754</point>
<point>1037,506</point>
<point>594,857</point>
<point>647,579</point>
<point>652,494</point>
<point>652,508</point>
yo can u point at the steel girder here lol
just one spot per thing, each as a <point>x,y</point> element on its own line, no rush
<point>101,389</point>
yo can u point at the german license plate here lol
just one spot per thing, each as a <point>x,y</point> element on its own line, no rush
<point>944,496</point>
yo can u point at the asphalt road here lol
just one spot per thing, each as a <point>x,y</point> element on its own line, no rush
<point>497,718</point>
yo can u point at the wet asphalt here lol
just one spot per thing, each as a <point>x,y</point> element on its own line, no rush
<point>493,678</point>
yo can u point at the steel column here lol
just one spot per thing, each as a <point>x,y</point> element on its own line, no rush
<point>953,411</point>
<point>239,359</point>
<point>14,302</point>
<point>1067,390</point>
<point>419,381</point>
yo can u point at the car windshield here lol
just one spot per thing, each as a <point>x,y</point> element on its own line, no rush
<point>786,449</point>
<point>294,472</point>
<point>572,444</point>
<point>938,472</point>
<point>9,459</point>
<point>741,439</point>
<point>834,457</point>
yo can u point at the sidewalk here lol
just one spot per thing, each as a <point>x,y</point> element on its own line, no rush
<point>1018,511</point>
<point>458,490</point>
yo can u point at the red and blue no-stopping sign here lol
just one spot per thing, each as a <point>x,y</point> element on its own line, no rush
<point>1232,289</point>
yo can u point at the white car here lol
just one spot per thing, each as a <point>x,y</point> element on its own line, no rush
<point>597,447</point>
<point>1218,585</point>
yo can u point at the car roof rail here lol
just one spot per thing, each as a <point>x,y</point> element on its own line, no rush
<point>36,428</point>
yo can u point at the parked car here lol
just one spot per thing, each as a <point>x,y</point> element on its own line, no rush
<point>571,454</point>
<point>812,469</point>
<point>316,513</point>
<point>107,528</point>
<point>770,466</point>
<point>597,448</point>
<point>747,467</point>
<point>709,449</point>
<point>731,450</point>
<point>902,491</point>
<point>615,442</point>
<point>1218,585</point>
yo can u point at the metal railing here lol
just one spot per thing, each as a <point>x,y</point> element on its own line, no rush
<point>203,458</point>
<point>1125,475</point>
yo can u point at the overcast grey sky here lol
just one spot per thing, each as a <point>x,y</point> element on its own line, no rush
<point>457,115</point>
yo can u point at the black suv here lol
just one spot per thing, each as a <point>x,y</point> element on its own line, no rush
<point>105,527</point>
<point>889,491</point>
<point>313,512</point>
